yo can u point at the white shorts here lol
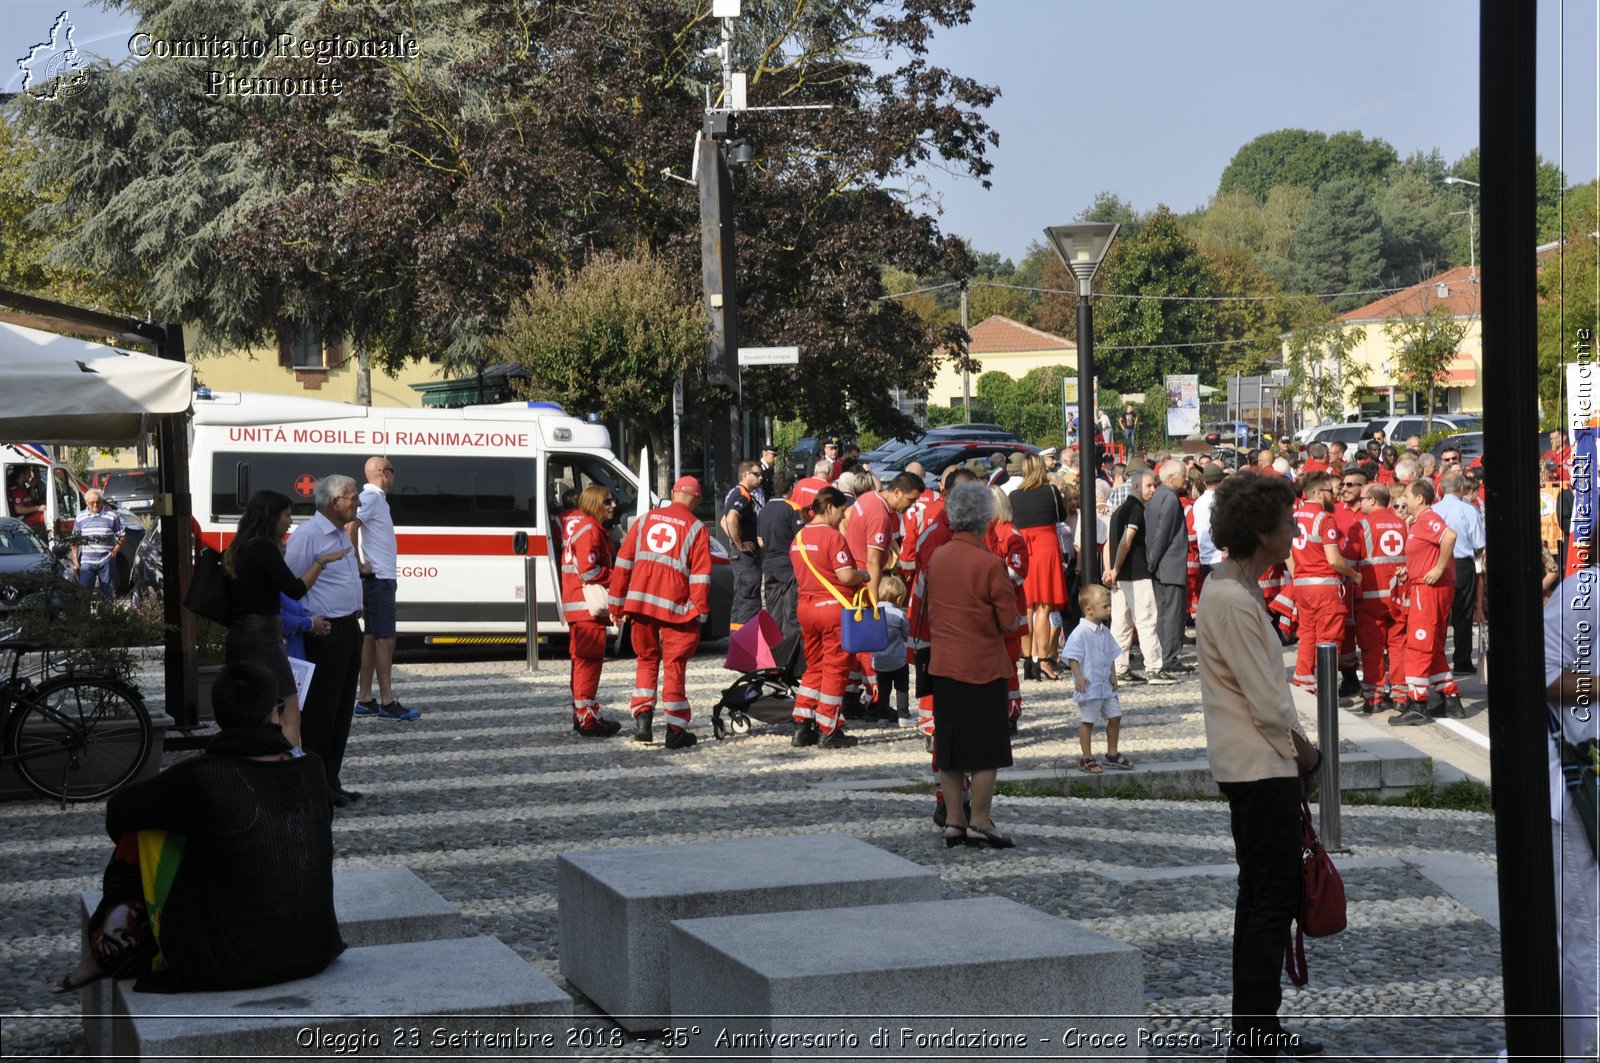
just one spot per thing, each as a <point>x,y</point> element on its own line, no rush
<point>1098,710</point>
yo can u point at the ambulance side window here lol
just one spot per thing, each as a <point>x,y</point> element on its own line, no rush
<point>581,470</point>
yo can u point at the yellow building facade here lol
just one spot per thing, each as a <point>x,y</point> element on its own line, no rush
<point>1007,346</point>
<point>310,370</point>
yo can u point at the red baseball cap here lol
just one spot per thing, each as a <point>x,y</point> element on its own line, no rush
<point>805,491</point>
<point>687,485</point>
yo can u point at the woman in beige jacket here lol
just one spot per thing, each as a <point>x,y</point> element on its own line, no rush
<point>1262,761</point>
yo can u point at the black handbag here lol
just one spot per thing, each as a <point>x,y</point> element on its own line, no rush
<point>208,588</point>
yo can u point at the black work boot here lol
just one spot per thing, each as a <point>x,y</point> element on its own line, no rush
<point>1349,685</point>
<point>679,738</point>
<point>641,727</point>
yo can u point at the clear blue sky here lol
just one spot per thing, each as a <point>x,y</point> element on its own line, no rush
<point>1149,99</point>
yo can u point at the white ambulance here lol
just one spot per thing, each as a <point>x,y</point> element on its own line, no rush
<point>466,481</point>
<point>64,499</point>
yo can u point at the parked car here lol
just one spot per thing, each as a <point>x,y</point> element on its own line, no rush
<point>130,490</point>
<point>970,430</point>
<point>24,563</point>
<point>936,457</point>
<point>1349,434</point>
<point>1398,429</point>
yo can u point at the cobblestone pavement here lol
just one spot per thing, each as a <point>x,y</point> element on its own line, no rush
<point>480,795</point>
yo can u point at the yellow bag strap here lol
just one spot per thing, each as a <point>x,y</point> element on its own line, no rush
<point>858,605</point>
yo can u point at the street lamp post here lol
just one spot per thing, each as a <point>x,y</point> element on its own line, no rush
<point>1082,246</point>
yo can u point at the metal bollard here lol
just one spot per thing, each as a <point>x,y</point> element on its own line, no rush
<point>1328,736</point>
<point>531,597</point>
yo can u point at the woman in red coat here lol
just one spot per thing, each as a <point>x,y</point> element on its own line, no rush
<point>823,570</point>
<point>1006,543</point>
<point>586,563</point>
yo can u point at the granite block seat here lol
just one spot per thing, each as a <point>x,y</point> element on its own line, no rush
<point>374,906</point>
<point>615,905</point>
<point>459,996</point>
<point>991,978</point>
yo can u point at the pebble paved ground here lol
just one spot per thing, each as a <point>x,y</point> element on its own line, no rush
<point>480,795</point>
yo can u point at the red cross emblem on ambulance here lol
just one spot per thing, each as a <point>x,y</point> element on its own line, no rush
<point>304,485</point>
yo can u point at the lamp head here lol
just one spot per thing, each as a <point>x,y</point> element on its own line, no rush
<point>1082,246</point>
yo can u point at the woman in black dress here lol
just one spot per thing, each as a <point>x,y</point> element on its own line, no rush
<point>258,574</point>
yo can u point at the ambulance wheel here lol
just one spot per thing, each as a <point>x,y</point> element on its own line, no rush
<point>739,723</point>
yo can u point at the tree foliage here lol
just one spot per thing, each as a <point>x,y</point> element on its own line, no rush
<point>1424,345</point>
<point>1305,158</point>
<point>409,211</point>
<point>1568,282</point>
<point>611,337</point>
<point>1324,376</point>
<point>1030,407</point>
<point>1339,246</point>
<point>1156,283</point>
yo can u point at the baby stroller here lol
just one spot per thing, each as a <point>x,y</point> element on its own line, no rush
<point>764,693</point>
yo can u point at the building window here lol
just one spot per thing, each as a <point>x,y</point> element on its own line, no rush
<point>305,348</point>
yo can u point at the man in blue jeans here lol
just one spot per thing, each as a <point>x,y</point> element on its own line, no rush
<point>97,537</point>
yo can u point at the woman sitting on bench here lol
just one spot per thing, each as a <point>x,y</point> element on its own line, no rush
<point>222,876</point>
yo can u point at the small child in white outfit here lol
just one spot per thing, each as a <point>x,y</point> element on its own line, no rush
<point>1091,653</point>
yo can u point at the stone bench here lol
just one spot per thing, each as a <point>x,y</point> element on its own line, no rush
<point>374,906</point>
<point>615,905</point>
<point>456,997</point>
<point>985,968</point>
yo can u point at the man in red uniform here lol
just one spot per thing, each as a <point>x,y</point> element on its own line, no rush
<point>1316,460</point>
<point>1377,548</point>
<point>1319,571</point>
<point>1560,455</point>
<point>1431,582</point>
<point>662,583</point>
<point>870,532</point>
<point>1346,515</point>
<point>1336,459</point>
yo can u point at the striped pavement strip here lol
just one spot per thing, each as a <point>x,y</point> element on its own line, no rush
<point>1321,1002</point>
<point>1213,925</point>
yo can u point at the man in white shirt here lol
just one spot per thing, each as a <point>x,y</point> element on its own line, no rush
<point>336,596</point>
<point>372,532</point>
<point>1210,556</point>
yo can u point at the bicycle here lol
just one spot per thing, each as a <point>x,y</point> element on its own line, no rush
<point>73,736</point>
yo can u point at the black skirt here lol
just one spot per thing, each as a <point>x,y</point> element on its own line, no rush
<point>258,638</point>
<point>971,730</point>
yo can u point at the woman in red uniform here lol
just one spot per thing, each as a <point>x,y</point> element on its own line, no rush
<point>586,562</point>
<point>1006,543</point>
<point>823,569</point>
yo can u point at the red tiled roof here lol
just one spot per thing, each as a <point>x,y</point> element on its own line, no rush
<point>1461,295</point>
<point>1001,335</point>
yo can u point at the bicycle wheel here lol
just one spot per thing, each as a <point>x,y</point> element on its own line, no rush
<point>79,738</point>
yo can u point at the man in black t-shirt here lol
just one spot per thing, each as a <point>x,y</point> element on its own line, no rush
<point>739,523</point>
<point>776,525</point>
<point>1133,603</point>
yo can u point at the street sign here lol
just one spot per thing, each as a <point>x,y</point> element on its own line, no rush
<point>677,397</point>
<point>769,356</point>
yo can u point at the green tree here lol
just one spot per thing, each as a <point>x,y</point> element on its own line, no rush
<point>1154,310</point>
<point>1418,227</point>
<point>1568,283</point>
<point>1424,345</point>
<point>1324,376</point>
<point>1305,158</point>
<point>409,211</point>
<point>1549,185</point>
<point>1254,318</point>
<point>1339,246</point>
<point>611,337</point>
<point>1109,207</point>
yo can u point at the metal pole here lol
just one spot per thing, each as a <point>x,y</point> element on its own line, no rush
<point>677,432</point>
<point>1519,746</point>
<point>530,583</point>
<point>1328,736</point>
<point>966,374</point>
<point>1088,459</point>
